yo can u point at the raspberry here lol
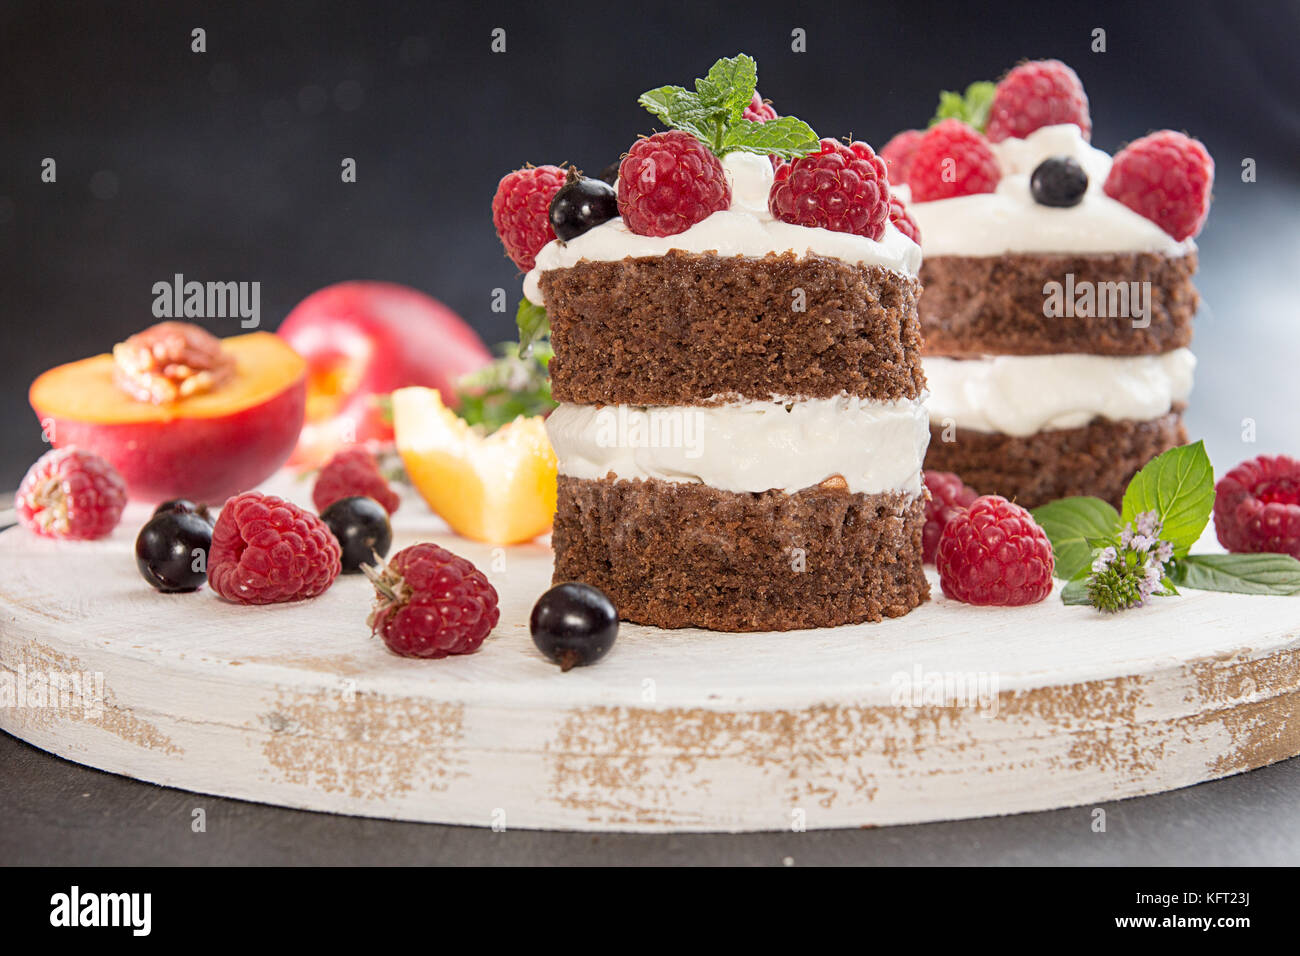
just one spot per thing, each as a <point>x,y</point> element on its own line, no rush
<point>520,211</point>
<point>1037,94</point>
<point>668,182</point>
<point>757,111</point>
<point>949,497</point>
<point>952,159</point>
<point>841,188</point>
<point>1166,177</point>
<point>431,603</point>
<point>994,553</point>
<point>70,493</point>
<point>266,550</point>
<point>897,154</point>
<point>903,221</point>
<point>1257,506</point>
<point>353,471</point>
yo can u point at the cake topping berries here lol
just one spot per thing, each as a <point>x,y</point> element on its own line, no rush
<point>574,624</point>
<point>1166,177</point>
<point>897,154</point>
<point>266,550</point>
<point>672,180</point>
<point>994,553</point>
<point>70,493</point>
<point>431,603</point>
<point>1257,506</point>
<point>1037,94</point>
<point>841,188</point>
<point>520,211</point>
<point>903,221</point>
<point>668,182</point>
<point>171,361</point>
<point>952,159</point>
<point>580,204</point>
<point>1058,181</point>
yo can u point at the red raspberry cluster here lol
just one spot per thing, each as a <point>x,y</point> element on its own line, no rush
<point>520,211</point>
<point>994,553</point>
<point>432,603</point>
<point>1257,506</point>
<point>353,471</point>
<point>1167,178</point>
<point>952,159</point>
<point>841,188</point>
<point>1036,94</point>
<point>71,493</point>
<point>266,550</point>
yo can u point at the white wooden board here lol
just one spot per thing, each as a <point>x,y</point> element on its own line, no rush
<point>675,730</point>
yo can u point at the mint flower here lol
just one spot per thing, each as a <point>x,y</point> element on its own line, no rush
<point>1129,572</point>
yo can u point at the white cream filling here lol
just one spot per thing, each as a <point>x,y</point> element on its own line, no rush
<point>1024,394</point>
<point>745,229</point>
<point>748,446</point>
<point>1008,220</point>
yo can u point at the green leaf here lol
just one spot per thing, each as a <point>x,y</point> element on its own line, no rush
<point>1074,525</point>
<point>784,136</point>
<point>1075,593</point>
<point>666,102</point>
<point>971,107</point>
<point>514,384</point>
<point>1179,487</point>
<point>1277,574</point>
<point>729,86</point>
<point>533,324</point>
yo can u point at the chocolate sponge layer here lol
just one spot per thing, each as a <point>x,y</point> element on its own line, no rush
<point>1097,459</point>
<point>685,555</point>
<point>993,305</point>
<point>679,328</point>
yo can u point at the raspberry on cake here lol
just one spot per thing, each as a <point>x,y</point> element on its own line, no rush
<point>1058,303</point>
<point>740,432</point>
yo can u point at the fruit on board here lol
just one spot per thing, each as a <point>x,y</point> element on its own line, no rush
<point>362,340</point>
<point>205,445</point>
<point>498,488</point>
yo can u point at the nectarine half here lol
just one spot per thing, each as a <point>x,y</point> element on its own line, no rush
<point>205,447</point>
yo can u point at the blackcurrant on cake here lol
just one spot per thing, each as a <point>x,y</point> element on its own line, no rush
<point>1058,302</point>
<point>737,360</point>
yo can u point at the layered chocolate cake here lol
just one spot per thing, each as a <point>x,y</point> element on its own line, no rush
<point>740,434</point>
<point>1058,302</point>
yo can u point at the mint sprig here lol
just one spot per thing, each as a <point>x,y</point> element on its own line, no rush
<point>512,385</point>
<point>1165,509</point>
<point>713,113</point>
<point>971,107</point>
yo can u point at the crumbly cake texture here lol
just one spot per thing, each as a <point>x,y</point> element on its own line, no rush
<point>1096,459</point>
<point>681,328</point>
<point>993,305</point>
<point>686,555</point>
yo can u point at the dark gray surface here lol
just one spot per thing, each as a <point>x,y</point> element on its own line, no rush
<point>56,812</point>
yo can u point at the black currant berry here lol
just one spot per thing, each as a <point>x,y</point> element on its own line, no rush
<point>574,624</point>
<point>361,525</point>
<point>580,204</point>
<point>184,506</point>
<point>1058,181</point>
<point>171,551</point>
<point>610,173</point>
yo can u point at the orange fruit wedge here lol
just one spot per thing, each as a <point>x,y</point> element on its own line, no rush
<point>497,488</point>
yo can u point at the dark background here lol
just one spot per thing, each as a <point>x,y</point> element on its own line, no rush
<point>225,165</point>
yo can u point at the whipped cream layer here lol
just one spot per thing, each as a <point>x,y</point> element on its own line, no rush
<point>747,228</point>
<point>748,446</point>
<point>1023,394</point>
<point>1008,220</point>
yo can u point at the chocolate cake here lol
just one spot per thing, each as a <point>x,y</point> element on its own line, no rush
<point>1056,317</point>
<point>741,430</point>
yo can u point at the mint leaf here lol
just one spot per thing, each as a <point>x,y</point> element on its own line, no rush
<point>713,113</point>
<point>729,87</point>
<point>784,136</point>
<point>1075,593</point>
<point>971,107</point>
<point>1073,525</point>
<point>1179,487</point>
<point>533,324</point>
<point>1277,574</point>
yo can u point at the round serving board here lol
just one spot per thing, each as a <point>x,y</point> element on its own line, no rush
<point>949,712</point>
